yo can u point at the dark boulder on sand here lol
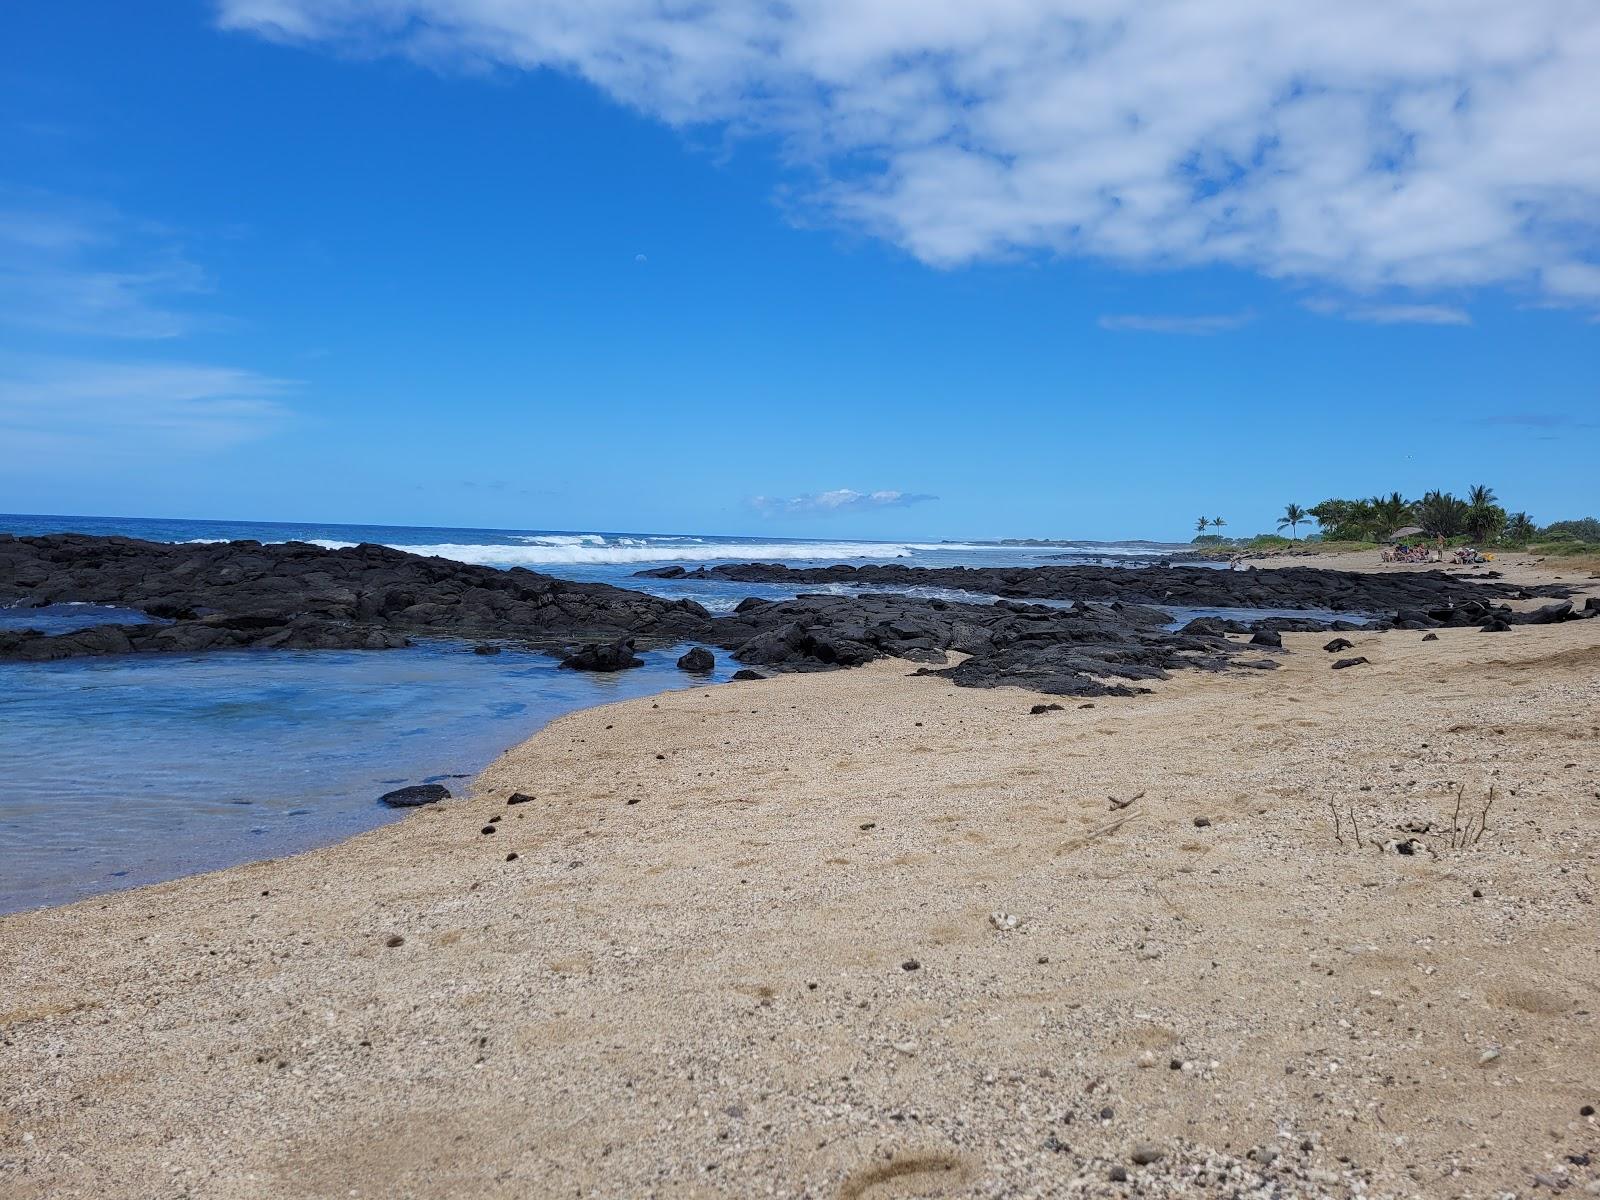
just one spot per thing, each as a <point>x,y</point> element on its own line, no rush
<point>615,656</point>
<point>415,796</point>
<point>1085,650</point>
<point>1267,637</point>
<point>699,660</point>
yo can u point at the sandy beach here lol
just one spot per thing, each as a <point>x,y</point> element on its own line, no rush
<point>866,934</point>
<point>1520,567</point>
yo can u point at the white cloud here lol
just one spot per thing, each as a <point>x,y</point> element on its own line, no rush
<point>840,500</point>
<point>1196,326</point>
<point>78,269</point>
<point>1371,143</point>
<point>56,407</point>
<point>1393,314</point>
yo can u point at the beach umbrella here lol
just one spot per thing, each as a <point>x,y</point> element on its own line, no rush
<point>1408,531</point>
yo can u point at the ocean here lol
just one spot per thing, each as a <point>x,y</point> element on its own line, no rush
<point>128,770</point>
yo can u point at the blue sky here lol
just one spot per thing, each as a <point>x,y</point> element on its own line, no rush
<point>572,266</point>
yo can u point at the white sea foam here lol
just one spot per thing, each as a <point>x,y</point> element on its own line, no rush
<point>1082,549</point>
<point>563,539</point>
<point>641,551</point>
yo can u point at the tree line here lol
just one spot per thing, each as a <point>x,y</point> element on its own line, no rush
<point>1478,516</point>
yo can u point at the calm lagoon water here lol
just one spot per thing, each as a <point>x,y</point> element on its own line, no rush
<point>127,770</point>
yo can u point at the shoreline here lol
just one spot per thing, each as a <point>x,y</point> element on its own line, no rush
<point>647,968</point>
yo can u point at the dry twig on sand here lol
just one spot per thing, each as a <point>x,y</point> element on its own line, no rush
<point>1464,837</point>
<point>1098,832</point>
<point>1355,825</point>
<point>1119,804</point>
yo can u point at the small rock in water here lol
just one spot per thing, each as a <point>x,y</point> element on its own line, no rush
<point>485,648</point>
<point>415,795</point>
<point>613,656</point>
<point>700,660</point>
<point>747,674</point>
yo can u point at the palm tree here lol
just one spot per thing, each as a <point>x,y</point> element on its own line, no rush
<point>1484,517</point>
<point>1293,514</point>
<point>1217,522</point>
<point>1520,528</point>
<point>1389,512</point>
<point>1200,524</point>
<point>1442,514</point>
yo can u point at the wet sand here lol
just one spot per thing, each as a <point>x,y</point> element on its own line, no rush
<point>757,940</point>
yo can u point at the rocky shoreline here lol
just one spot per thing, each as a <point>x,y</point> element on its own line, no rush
<point>1159,584</point>
<point>1114,637</point>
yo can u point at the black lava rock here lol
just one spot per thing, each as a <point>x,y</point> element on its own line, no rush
<point>614,656</point>
<point>1184,586</point>
<point>293,595</point>
<point>1348,662</point>
<point>415,796</point>
<point>699,660</point>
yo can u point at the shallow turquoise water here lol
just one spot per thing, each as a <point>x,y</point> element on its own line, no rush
<point>127,770</point>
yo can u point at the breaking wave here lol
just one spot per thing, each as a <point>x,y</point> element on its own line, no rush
<point>576,551</point>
